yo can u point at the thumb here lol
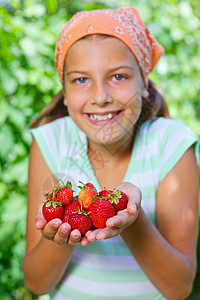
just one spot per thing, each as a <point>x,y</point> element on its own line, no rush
<point>40,220</point>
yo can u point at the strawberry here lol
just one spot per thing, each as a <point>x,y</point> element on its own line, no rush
<point>105,193</point>
<point>52,210</point>
<point>64,193</point>
<point>90,185</point>
<point>121,204</point>
<point>69,209</point>
<point>100,211</point>
<point>118,198</point>
<point>81,221</point>
<point>86,195</point>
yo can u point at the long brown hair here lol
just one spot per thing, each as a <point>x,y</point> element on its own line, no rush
<point>152,106</point>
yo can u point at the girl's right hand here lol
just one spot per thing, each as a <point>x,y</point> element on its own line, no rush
<point>123,218</point>
<point>57,231</point>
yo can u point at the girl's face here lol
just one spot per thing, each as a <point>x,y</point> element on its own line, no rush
<point>103,87</point>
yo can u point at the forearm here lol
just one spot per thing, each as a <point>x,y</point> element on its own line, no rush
<point>174,273</point>
<point>44,265</point>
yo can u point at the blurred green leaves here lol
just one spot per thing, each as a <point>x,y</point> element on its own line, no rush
<point>28,80</point>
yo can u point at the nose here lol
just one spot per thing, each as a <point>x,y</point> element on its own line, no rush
<point>101,95</point>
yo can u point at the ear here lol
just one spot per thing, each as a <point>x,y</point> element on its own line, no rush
<point>65,98</point>
<point>145,93</point>
<point>65,101</point>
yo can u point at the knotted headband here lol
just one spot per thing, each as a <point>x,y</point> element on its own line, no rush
<point>122,23</point>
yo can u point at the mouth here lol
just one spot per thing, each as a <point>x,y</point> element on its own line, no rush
<point>103,118</point>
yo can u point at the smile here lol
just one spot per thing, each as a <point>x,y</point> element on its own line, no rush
<point>97,117</point>
<point>106,118</point>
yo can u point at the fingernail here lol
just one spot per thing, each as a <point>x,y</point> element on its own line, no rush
<point>64,229</point>
<point>56,224</point>
<point>110,224</point>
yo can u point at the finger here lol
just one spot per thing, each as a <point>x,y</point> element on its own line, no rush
<point>134,204</point>
<point>119,220</point>
<point>107,233</point>
<point>39,219</point>
<point>51,228</point>
<point>88,233</point>
<point>84,241</point>
<point>40,224</point>
<point>102,233</point>
<point>74,238</point>
<point>91,235</point>
<point>62,235</point>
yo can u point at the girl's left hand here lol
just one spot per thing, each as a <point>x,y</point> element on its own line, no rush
<point>123,219</point>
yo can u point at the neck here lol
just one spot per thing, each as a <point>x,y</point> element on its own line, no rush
<point>110,152</point>
<point>110,163</point>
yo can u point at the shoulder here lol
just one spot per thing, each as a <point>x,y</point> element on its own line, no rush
<point>57,124</point>
<point>160,124</point>
<point>56,139</point>
<point>168,139</point>
<point>163,130</point>
<point>57,130</point>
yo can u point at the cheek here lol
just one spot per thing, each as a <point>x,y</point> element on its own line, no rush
<point>133,109</point>
<point>74,101</point>
<point>131,97</point>
<point>133,113</point>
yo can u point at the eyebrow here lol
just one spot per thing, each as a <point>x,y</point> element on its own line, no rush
<point>110,70</point>
<point>75,71</point>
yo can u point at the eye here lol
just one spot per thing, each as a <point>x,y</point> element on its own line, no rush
<point>118,77</point>
<point>80,80</point>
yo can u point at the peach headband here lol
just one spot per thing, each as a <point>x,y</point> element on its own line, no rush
<point>122,23</point>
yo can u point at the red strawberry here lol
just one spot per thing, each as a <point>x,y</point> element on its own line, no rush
<point>86,196</point>
<point>100,211</point>
<point>71,208</point>
<point>105,193</point>
<point>90,185</point>
<point>52,210</point>
<point>65,193</point>
<point>118,198</point>
<point>121,204</point>
<point>80,221</point>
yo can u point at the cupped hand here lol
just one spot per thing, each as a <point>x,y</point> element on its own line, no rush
<point>123,219</point>
<point>58,232</point>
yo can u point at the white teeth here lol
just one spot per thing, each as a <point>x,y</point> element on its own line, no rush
<point>102,117</point>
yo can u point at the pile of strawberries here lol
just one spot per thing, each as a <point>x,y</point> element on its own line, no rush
<point>87,210</point>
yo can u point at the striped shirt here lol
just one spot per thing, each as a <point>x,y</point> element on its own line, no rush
<point>106,269</point>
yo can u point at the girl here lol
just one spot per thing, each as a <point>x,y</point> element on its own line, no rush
<point>110,125</point>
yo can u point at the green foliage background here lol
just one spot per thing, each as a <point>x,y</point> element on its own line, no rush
<point>28,80</point>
